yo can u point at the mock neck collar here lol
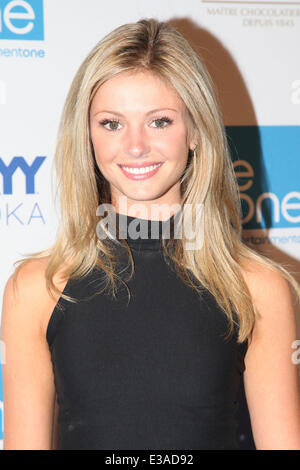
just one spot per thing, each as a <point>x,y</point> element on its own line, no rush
<point>144,234</point>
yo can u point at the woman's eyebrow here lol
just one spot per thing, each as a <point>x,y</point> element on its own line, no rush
<point>147,114</point>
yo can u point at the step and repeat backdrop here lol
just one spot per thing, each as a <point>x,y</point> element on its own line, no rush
<point>251,49</point>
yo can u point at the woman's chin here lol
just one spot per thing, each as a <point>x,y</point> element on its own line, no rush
<point>139,196</point>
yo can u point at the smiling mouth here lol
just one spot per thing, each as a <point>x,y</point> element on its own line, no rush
<point>140,171</point>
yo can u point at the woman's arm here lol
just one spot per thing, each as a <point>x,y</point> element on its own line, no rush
<point>28,383</point>
<point>271,377</point>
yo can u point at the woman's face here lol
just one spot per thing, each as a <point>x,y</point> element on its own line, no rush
<point>136,122</point>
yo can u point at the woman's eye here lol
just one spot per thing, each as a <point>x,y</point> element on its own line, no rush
<point>162,122</point>
<point>113,124</point>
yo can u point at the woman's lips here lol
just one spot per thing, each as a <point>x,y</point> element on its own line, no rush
<point>140,176</point>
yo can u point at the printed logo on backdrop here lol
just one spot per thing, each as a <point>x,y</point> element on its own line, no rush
<point>19,203</point>
<point>253,13</point>
<point>266,162</point>
<point>21,20</point>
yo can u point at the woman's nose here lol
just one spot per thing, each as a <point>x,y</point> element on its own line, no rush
<point>136,142</point>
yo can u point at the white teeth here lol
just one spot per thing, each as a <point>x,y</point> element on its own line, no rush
<point>140,171</point>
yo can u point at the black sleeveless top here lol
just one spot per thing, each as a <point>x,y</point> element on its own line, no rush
<point>154,373</point>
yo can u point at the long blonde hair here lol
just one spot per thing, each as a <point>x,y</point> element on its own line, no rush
<point>209,178</point>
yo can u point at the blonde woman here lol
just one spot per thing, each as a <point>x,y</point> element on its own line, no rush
<point>126,342</point>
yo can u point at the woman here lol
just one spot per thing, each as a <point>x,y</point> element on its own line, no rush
<point>149,357</point>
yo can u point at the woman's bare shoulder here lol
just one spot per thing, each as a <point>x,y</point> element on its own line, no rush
<point>31,275</point>
<point>26,291</point>
<point>262,280</point>
<point>271,293</point>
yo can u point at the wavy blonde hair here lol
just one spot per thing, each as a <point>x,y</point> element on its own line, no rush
<point>209,178</point>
